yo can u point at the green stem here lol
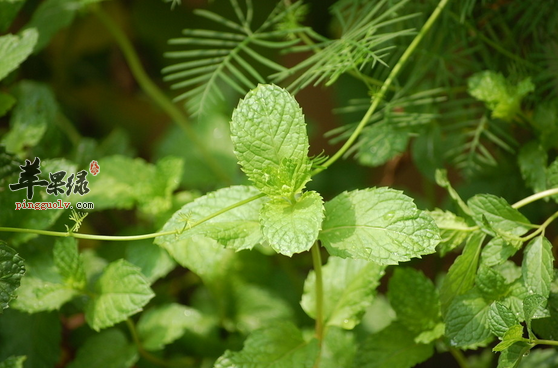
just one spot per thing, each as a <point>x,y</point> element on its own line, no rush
<point>129,237</point>
<point>317,262</point>
<point>545,342</point>
<point>380,95</point>
<point>535,197</point>
<point>541,228</point>
<point>156,94</point>
<point>459,357</point>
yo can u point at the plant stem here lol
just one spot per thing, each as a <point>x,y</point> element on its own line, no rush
<point>156,94</point>
<point>381,93</point>
<point>129,237</point>
<point>459,357</point>
<point>541,228</point>
<point>535,197</point>
<point>317,262</point>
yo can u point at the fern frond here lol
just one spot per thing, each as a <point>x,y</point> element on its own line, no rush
<point>231,58</point>
<point>360,45</point>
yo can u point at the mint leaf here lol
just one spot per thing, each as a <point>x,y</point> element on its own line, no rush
<point>15,49</point>
<point>50,17</point>
<point>108,349</point>
<point>238,228</point>
<point>491,284</point>
<point>13,362</point>
<point>462,273</point>
<point>8,12</point>
<point>498,94</point>
<point>511,357</point>
<point>537,266</point>
<point>154,328</point>
<point>338,348</point>
<point>7,101</point>
<point>453,229</point>
<point>270,141</point>
<point>501,319</point>
<point>154,261</point>
<point>278,346</point>
<point>392,347</point>
<point>532,162</point>
<point>503,219</point>
<point>37,295</point>
<point>292,227</point>
<point>380,142</point>
<point>496,252</point>
<point>36,108</point>
<point>415,299</point>
<point>69,263</point>
<point>120,292</point>
<point>541,358</point>
<point>531,305</point>
<point>36,336</point>
<point>378,224</point>
<point>124,182</point>
<point>552,177</point>
<point>349,286</point>
<point>513,334</point>
<point>467,321</point>
<point>12,270</point>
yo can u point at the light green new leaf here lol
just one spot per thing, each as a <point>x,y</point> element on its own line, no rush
<point>467,321</point>
<point>15,49</point>
<point>37,336</point>
<point>238,228</point>
<point>378,224</point>
<point>154,261</point>
<point>392,347</point>
<point>503,219</point>
<point>453,229</point>
<point>537,267</point>
<point>279,346</point>
<point>532,160</point>
<point>120,292</point>
<point>108,349</point>
<point>12,270</point>
<point>501,319</point>
<point>498,94</point>
<point>491,284</point>
<point>380,142</point>
<point>513,335</point>
<point>349,286</point>
<point>270,141</point>
<point>69,263</point>
<point>415,299</point>
<point>37,295</point>
<point>292,227</point>
<point>13,362</point>
<point>511,357</point>
<point>164,324</point>
<point>462,273</point>
<point>36,108</point>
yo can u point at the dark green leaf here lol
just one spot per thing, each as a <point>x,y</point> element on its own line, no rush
<point>511,357</point>
<point>532,162</point>
<point>154,261</point>
<point>69,263</point>
<point>11,272</point>
<point>501,319</point>
<point>491,284</point>
<point>381,142</point>
<point>50,17</point>
<point>108,349</point>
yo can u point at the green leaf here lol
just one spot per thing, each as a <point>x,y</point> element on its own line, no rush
<point>453,229</point>
<point>496,252</point>
<point>7,101</point>
<point>393,347</point>
<point>36,108</point>
<point>381,142</point>
<point>124,182</point>
<point>8,12</point>
<point>462,273</point>
<point>498,94</point>
<point>278,346</point>
<point>292,227</point>
<point>491,284</point>
<point>532,162</point>
<point>108,349</point>
<point>349,286</point>
<point>238,228</point>
<point>37,295</point>
<point>13,362</point>
<point>467,321</point>
<point>501,319</point>
<point>36,336</point>
<point>15,49</point>
<point>541,358</point>
<point>443,181</point>
<point>537,266</point>
<point>12,270</point>
<point>531,305</point>
<point>50,17</point>
<point>552,177</point>
<point>338,348</point>
<point>415,299</point>
<point>378,224</point>
<point>511,357</point>
<point>270,141</point>
<point>513,335</point>
<point>69,263</point>
<point>154,328</point>
<point>503,219</point>
<point>154,261</point>
<point>120,292</point>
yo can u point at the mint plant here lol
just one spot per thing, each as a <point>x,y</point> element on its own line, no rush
<point>230,244</point>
